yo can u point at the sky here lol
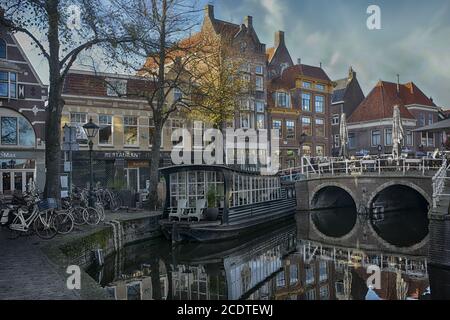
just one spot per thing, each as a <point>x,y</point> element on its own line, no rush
<point>414,39</point>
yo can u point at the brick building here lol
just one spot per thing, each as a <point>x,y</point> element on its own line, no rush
<point>22,119</point>
<point>370,125</point>
<point>299,98</point>
<point>347,95</point>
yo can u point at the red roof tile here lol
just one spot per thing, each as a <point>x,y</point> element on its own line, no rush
<point>84,84</point>
<point>380,102</point>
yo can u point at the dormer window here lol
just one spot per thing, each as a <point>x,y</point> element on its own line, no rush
<point>320,87</point>
<point>306,84</point>
<point>2,49</point>
<point>282,100</point>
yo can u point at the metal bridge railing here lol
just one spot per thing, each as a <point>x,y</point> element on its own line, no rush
<point>313,168</point>
<point>439,183</point>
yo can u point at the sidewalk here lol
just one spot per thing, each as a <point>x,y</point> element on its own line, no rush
<point>27,274</point>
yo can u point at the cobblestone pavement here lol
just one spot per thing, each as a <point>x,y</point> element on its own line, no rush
<point>27,274</point>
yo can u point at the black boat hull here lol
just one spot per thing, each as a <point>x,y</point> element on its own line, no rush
<point>192,232</point>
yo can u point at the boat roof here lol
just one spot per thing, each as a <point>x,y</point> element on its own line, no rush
<point>204,167</point>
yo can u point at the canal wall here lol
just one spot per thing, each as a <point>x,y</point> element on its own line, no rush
<point>77,249</point>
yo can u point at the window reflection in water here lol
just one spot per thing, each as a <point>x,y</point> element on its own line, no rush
<point>268,267</point>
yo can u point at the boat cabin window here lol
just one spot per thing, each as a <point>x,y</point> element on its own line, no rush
<point>195,185</point>
<point>247,190</point>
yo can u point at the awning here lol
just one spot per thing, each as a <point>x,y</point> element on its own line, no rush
<point>436,127</point>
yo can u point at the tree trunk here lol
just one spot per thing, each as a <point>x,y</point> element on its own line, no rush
<point>53,144</point>
<point>154,167</point>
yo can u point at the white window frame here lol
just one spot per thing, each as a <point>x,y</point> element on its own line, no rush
<point>280,128</point>
<point>371,138</point>
<point>10,83</point>
<point>288,128</point>
<point>126,125</point>
<point>112,130</point>
<point>79,124</point>
<point>316,101</point>
<point>411,134</point>
<point>306,84</point>
<point>303,100</point>
<point>259,83</point>
<point>322,125</point>
<point>335,121</point>
<point>320,86</point>
<point>259,69</point>
<point>337,141</point>
<point>386,144</point>
<point>287,105</point>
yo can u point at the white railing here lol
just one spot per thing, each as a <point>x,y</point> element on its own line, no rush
<point>313,168</point>
<point>439,183</point>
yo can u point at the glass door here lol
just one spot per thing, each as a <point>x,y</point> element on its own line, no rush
<point>15,180</point>
<point>132,179</point>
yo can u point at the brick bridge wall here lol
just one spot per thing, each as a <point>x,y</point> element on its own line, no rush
<point>363,189</point>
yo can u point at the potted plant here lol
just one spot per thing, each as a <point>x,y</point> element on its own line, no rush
<point>212,212</point>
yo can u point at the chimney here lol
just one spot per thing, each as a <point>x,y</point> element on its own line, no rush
<point>299,61</point>
<point>320,65</point>
<point>279,38</point>
<point>248,21</point>
<point>351,73</point>
<point>398,83</point>
<point>209,11</point>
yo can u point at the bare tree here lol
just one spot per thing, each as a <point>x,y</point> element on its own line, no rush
<point>162,49</point>
<point>61,30</point>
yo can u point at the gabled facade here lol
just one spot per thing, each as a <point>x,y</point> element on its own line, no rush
<point>243,43</point>
<point>299,106</point>
<point>347,95</point>
<point>299,98</point>
<point>370,125</point>
<point>22,119</point>
<point>278,57</point>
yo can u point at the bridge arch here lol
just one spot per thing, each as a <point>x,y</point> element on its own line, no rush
<point>393,183</point>
<point>334,213</point>
<point>329,186</point>
<point>399,205</point>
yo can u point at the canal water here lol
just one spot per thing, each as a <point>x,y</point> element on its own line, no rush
<point>278,263</point>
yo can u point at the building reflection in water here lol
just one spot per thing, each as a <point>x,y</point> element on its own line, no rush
<point>274,266</point>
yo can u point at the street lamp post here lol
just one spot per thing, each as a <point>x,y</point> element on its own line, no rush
<point>91,130</point>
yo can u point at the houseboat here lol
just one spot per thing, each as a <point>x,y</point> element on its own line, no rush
<point>207,203</point>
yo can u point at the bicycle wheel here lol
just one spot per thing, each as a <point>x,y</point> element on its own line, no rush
<point>101,211</point>
<point>63,223</point>
<point>78,216</point>
<point>91,216</point>
<point>44,226</point>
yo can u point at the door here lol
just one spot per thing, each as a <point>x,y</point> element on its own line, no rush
<point>15,180</point>
<point>133,179</point>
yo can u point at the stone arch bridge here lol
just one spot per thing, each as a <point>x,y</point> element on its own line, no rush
<point>348,202</point>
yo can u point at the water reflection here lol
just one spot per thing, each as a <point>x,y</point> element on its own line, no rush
<point>275,265</point>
